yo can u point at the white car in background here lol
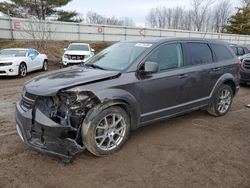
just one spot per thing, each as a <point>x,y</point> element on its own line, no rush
<point>20,61</point>
<point>77,53</point>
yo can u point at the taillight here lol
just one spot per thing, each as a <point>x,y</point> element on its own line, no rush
<point>239,64</point>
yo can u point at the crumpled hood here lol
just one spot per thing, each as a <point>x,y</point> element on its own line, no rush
<point>49,84</point>
<point>77,52</point>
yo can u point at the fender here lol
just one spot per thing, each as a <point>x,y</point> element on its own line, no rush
<point>112,97</point>
<point>224,78</point>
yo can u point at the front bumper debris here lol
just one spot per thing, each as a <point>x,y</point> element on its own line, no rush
<point>44,135</point>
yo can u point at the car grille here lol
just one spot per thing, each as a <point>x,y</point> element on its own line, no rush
<point>76,57</point>
<point>2,72</point>
<point>246,64</point>
<point>28,100</point>
<point>30,96</point>
<point>5,64</point>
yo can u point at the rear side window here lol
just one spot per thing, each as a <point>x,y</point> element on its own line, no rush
<point>246,50</point>
<point>235,50</point>
<point>198,53</point>
<point>240,51</point>
<point>221,52</point>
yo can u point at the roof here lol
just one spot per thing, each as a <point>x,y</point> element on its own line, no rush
<point>237,45</point>
<point>164,39</point>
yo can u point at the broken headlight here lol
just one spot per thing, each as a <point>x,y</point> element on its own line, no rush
<point>68,107</point>
<point>73,105</point>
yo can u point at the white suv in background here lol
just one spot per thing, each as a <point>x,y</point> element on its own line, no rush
<point>77,53</point>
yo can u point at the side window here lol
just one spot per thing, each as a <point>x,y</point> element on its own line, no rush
<point>168,56</point>
<point>240,51</point>
<point>221,52</point>
<point>246,50</point>
<point>198,53</point>
<point>35,52</point>
<point>235,50</point>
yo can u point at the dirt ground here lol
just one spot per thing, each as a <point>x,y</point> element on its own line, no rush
<point>195,150</point>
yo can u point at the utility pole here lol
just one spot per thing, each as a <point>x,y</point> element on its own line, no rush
<point>11,27</point>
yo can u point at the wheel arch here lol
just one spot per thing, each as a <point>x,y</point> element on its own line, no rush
<point>23,62</point>
<point>116,97</point>
<point>227,79</point>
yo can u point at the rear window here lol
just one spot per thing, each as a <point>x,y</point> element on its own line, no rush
<point>235,50</point>
<point>222,52</point>
<point>198,53</point>
<point>246,50</point>
<point>240,51</point>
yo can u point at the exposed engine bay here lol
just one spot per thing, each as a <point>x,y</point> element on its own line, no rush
<point>67,108</point>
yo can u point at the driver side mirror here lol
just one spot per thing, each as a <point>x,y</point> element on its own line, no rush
<point>92,50</point>
<point>150,67</point>
<point>65,49</point>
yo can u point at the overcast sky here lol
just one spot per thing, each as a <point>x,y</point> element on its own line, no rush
<point>136,9</point>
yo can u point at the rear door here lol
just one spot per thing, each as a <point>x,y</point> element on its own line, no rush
<point>203,72</point>
<point>225,59</point>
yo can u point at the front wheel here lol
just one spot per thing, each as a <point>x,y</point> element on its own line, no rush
<point>107,132</point>
<point>45,65</point>
<point>221,102</point>
<point>22,70</point>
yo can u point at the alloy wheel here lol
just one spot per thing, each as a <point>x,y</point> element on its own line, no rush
<point>224,102</point>
<point>23,70</point>
<point>110,132</point>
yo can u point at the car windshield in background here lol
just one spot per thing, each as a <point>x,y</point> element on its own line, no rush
<point>78,47</point>
<point>118,56</point>
<point>13,53</point>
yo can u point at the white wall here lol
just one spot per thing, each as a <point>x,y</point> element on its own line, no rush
<point>18,29</point>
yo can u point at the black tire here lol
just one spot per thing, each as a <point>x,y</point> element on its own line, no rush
<point>45,65</point>
<point>22,70</point>
<point>218,105</point>
<point>96,128</point>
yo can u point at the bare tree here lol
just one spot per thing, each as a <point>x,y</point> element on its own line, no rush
<point>95,18</point>
<point>173,18</point>
<point>128,22</point>
<point>221,13</point>
<point>40,31</point>
<point>151,19</point>
<point>200,9</point>
<point>204,16</point>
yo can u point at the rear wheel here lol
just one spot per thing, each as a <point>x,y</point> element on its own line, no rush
<point>107,132</point>
<point>22,70</point>
<point>45,65</point>
<point>221,102</point>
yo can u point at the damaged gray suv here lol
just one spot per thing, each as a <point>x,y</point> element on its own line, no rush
<point>125,86</point>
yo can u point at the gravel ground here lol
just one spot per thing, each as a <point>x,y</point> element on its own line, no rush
<point>195,150</point>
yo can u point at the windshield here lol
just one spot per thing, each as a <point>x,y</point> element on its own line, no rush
<point>118,56</point>
<point>78,47</point>
<point>13,53</point>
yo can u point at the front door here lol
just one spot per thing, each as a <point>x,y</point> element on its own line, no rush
<point>164,91</point>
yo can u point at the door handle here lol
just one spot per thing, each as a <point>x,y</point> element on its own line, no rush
<point>216,69</point>
<point>181,76</point>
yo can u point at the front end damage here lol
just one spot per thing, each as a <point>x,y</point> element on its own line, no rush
<point>52,124</point>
